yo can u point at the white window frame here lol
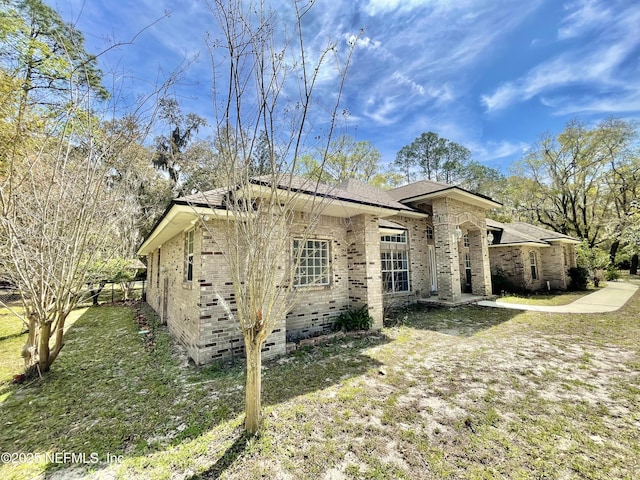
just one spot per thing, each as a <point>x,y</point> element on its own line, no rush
<point>394,237</point>
<point>465,240</point>
<point>392,264</point>
<point>533,262</point>
<point>188,255</point>
<point>312,264</point>
<point>429,232</point>
<point>467,261</point>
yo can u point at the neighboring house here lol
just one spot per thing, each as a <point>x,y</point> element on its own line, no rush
<point>371,247</point>
<point>531,257</point>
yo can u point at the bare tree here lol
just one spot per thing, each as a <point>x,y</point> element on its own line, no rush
<point>63,212</point>
<point>265,84</point>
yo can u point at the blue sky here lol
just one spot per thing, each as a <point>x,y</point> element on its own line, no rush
<point>489,74</point>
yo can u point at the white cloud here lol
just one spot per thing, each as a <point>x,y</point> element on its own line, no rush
<point>491,151</point>
<point>597,65</point>
<point>627,101</point>
<point>383,111</point>
<point>585,14</point>
<point>375,7</point>
<point>362,41</point>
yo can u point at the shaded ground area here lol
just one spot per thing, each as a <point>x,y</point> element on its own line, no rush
<point>451,393</point>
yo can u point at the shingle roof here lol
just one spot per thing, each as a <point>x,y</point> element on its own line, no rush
<point>212,198</point>
<point>539,232</point>
<point>406,193</point>
<point>416,189</point>
<point>520,232</point>
<point>351,191</point>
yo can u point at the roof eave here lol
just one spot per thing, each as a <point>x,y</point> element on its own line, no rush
<point>520,244</point>
<point>571,241</point>
<point>468,197</point>
<point>180,217</point>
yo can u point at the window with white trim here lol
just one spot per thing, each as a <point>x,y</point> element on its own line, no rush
<point>395,271</point>
<point>533,260</point>
<point>465,240</point>
<point>313,262</point>
<point>467,261</point>
<point>429,232</point>
<point>394,238</point>
<point>188,257</point>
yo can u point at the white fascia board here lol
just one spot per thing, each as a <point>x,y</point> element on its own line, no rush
<point>520,244</point>
<point>178,219</point>
<point>459,195</point>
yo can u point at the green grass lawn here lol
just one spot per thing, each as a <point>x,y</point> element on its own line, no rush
<point>450,393</point>
<point>546,298</point>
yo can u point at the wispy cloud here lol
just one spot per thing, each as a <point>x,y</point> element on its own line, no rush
<point>584,15</point>
<point>597,63</point>
<point>493,151</point>
<point>422,53</point>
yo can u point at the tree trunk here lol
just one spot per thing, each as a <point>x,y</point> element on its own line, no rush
<point>613,250</point>
<point>634,265</point>
<point>253,387</point>
<point>30,350</point>
<point>59,342</point>
<point>43,347</point>
<point>95,294</point>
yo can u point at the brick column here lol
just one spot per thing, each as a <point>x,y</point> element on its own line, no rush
<point>363,256</point>
<point>447,256</point>
<point>480,266</point>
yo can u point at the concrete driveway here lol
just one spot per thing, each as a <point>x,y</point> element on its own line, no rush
<point>610,298</point>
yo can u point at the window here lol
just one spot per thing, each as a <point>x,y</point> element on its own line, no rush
<point>429,232</point>
<point>534,265</point>
<point>395,271</point>
<point>150,269</point>
<point>467,261</point>
<point>465,240</point>
<point>188,273</point>
<point>394,238</point>
<point>313,266</point>
<point>467,270</point>
<point>158,269</point>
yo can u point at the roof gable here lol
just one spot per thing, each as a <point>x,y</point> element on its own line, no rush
<point>521,233</point>
<point>427,189</point>
<point>541,233</point>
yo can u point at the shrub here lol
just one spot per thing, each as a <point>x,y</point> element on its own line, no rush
<point>501,283</point>
<point>579,278</point>
<point>354,320</point>
<point>612,274</point>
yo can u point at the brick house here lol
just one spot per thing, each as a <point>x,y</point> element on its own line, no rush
<point>372,247</point>
<point>531,257</point>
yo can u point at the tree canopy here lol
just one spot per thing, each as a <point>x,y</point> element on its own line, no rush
<point>582,181</point>
<point>438,159</point>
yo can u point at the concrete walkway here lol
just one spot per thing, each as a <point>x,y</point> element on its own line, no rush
<point>609,299</point>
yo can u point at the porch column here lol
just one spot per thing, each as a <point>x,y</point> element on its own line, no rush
<point>447,256</point>
<point>365,278</point>
<point>480,266</point>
